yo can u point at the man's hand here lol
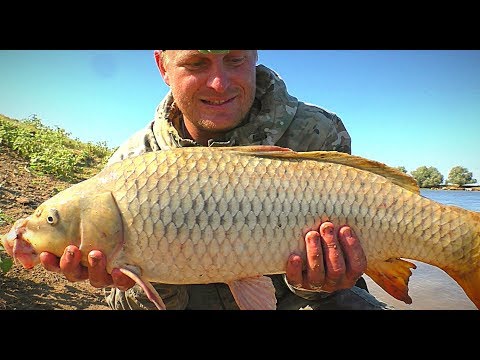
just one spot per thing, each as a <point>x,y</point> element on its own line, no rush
<point>69,265</point>
<point>335,260</point>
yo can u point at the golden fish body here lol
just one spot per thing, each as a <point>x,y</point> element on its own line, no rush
<point>204,215</point>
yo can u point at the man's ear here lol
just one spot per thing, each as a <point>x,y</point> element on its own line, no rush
<point>161,66</point>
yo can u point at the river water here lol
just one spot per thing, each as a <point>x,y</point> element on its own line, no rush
<point>430,287</point>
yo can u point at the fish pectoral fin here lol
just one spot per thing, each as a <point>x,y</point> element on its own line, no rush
<point>101,225</point>
<point>254,293</point>
<point>392,275</point>
<point>147,287</point>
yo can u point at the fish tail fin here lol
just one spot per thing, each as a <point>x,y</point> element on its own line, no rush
<point>147,287</point>
<point>469,282</point>
<point>392,275</point>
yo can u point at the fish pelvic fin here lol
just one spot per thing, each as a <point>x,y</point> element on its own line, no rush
<point>469,282</point>
<point>254,293</point>
<point>147,287</point>
<point>392,275</point>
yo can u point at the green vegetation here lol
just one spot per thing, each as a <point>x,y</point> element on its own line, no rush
<point>402,169</point>
<point>6,262</point>
<point>52,150</point>
<point>427,176</point>
<point>460,176</point>
<point>4,218</point>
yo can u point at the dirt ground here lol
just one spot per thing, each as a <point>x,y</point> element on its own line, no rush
<point>36,289</point>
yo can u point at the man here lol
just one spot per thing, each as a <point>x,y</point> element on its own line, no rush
<point>223,98</point>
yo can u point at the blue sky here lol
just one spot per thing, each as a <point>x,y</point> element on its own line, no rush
<point>402,107</point>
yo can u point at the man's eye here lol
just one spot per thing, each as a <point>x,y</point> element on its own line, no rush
<point>195,65</point>
<point>236,60</point>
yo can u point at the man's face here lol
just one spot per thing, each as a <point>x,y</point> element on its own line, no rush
<point>213,91</point>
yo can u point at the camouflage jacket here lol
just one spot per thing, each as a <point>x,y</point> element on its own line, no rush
<point>276,118</point>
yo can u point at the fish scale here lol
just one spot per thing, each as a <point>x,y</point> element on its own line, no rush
<point>197,226</point>
<point>230,215</point>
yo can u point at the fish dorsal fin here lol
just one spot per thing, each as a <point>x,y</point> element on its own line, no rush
<point>254,293</point>
<point>395,176</point>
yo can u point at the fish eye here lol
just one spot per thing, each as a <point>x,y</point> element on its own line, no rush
<point>52,217</point>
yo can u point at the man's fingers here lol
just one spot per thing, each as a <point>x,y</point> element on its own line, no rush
<point>121,281</point>
<point>294,271</point>
<point>100,278</point>
<point>50,262</point>
<point>98,275</point>
<point>96,272</point>
<point>355,258</point>
<point>315,265</point>
<point>70,264</point>
<point>334,261</point>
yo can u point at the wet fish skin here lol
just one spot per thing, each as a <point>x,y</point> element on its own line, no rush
<point>203,215</point>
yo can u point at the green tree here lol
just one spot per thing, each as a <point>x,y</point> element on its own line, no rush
<point>460,176</point>
<point>402,169</point>
<point>427,176</point>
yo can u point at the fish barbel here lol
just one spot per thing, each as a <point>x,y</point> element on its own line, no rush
<point>232,215</point>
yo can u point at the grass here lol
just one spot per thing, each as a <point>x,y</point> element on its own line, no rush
<point>52,150</point>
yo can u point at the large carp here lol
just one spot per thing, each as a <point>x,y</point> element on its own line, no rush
<point>201,215</point>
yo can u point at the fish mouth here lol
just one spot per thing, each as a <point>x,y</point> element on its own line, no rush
<point>18,247</point>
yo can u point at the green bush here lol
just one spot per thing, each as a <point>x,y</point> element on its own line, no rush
<point>52,150</point>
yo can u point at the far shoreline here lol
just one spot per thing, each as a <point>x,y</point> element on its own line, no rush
<point>455,188</point>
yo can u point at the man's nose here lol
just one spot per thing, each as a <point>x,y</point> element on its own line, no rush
<point>218,79</point>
